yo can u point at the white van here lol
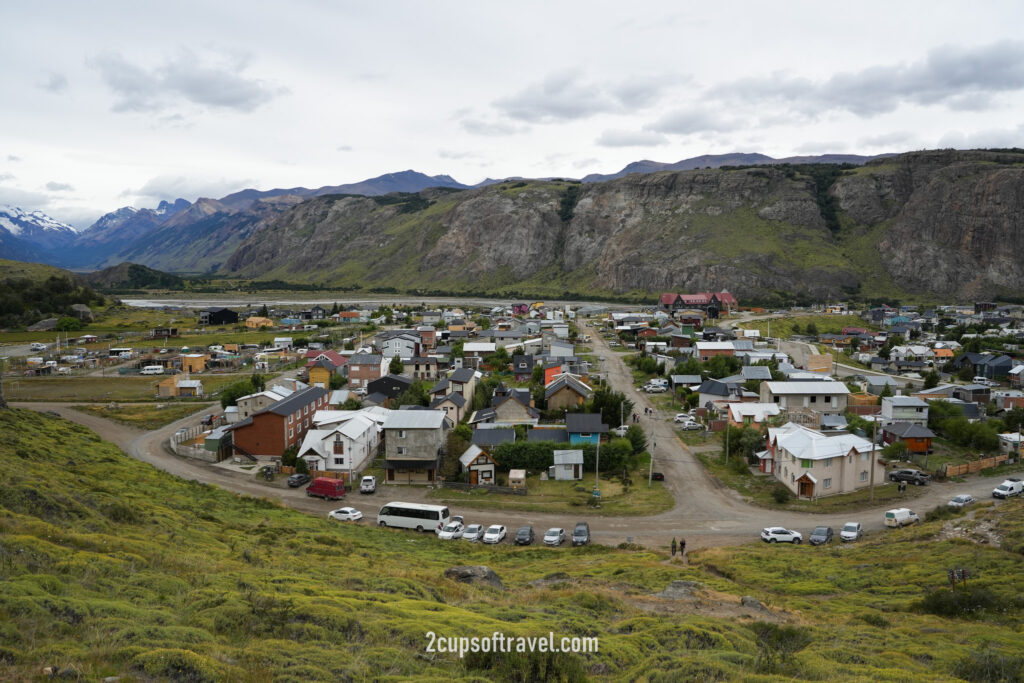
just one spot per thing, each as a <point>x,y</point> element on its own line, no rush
<point>152,370</point>
<point>368,484</point>
<point>900,517</point>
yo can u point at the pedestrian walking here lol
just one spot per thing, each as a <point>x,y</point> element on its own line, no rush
<point>682,546</point>
<point>673,546</point>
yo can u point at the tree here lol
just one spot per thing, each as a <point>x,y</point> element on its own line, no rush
<point>351,404</point>
<point>931,379</point>
<point>416,395</point>
<point>68,324</point>
<point>396,366</point>
<point>812,329</point>
<point>637,438</point>
<point>690,367</point>
<point>263,311</point>
<point>337,381</point>
<point>301,466</point>
<point>611,405</point>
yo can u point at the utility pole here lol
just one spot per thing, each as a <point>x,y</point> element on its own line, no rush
<point>871,473</point>
<point>650,470</point>
<point>728,428</point>
<point>597,466</point>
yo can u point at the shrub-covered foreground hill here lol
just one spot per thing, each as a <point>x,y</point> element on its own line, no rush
<point>110,567</point>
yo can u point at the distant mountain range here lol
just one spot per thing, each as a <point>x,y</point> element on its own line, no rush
<point>733,159</point>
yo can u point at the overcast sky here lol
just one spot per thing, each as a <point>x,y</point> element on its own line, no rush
<point>109,104</point>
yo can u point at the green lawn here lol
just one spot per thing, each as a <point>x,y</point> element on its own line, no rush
<point>102,389</point>
<point>146,417</point>
<point>570,497</point>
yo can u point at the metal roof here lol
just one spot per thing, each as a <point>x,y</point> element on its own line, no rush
<point>415,419</point>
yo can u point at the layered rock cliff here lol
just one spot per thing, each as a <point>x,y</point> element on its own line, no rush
<point>944,224</point>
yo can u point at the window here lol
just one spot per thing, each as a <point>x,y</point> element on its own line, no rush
<point>584,436</point>
<point>828,463</point>
<point>291,418</point>
<point>291,433</point>
<point>806,463</point>
<point>402,450</point>
<point>864,457</point>
<point>401,433</point>
<point>339,461</point>
<point>864,475</point>
<point>827,483</point>
<point>814,399</point>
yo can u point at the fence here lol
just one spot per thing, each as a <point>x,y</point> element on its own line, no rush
<point>328,474</point>
<point>975,465</point>
<point>180,445</point>
<point>459,486</point>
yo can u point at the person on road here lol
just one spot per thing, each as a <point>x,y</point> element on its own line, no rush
<point>673,546</point>
<point>682,547</point>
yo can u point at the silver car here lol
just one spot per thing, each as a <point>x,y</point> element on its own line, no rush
<point>554,536</point>
<point>961,501</point>
<point>473,533</point>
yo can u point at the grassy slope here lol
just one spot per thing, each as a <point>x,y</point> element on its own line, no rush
<point>33,271</point>
<point>108,566</point>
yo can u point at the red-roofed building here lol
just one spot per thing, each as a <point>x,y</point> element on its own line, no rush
<point>711,303</point>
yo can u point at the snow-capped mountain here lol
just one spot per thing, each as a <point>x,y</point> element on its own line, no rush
<point>35,228</point>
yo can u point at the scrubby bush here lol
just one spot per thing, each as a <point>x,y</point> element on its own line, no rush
<point>972,601</point>
<point>781,495</point>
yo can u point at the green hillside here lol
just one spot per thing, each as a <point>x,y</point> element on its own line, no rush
<point>109,567</point>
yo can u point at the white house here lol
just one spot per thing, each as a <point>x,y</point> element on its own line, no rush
<point>812,465</point>
<point>347,447</point>
<point>479,464</point>
<point>904,409</point>
<point>568,466</point>
<point>820,397</point>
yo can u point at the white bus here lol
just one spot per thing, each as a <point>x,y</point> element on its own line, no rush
<point>414,516</point>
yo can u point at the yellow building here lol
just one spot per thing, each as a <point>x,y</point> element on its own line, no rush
<point>256,322</point>
<point>194,362</point>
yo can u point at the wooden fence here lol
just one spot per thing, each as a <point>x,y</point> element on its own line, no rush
<point>459,486</point>
<point>975,465</point>
<point>327,474</point>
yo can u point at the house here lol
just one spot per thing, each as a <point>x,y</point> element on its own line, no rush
<point>711,391</point>
<point>522,367</point>
<point>428,336</point>
<point>400,343</point>
<point>178,386</point>
<point>479,464</point>
<point>517,479</point>
<point>256,322</point>
<point>463,381</point>
<point>194,362</point>
<point>543,434</point>
<point>752,414</point>
<point>707,350</point>
<point>390,386</point>
<point>279,426</point>
<point>568,466</point>
<point>348,447</point>
<point>904,409</point>
<point>876,384</point>
<point>338,360</point>
<point>421,367</point>
<point>566,391</point>
<point>813,465</point>
<point>453,404</point>
<point>413,445</point>
<point>218,315</point>
<point>917,437</point>
<point>319,373</point>
<point>473,353</point>
<point>820,397</point>
<point>584,428</point>
<point>514,407</point>
<point>363,368</point>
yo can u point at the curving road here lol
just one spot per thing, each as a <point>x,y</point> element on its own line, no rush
<point>705,513</point>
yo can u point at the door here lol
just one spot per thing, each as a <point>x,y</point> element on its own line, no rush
<point>473,475</point>
<point>575,471</point>
<point>806,489</point>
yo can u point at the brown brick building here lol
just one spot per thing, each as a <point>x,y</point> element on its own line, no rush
<point>280,425</point>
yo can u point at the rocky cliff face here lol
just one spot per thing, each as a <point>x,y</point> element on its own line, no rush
<point>944,223</point>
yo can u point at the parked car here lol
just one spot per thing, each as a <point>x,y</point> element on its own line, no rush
<point>683,417</point>
<point>345,515</point>
<point>368,484</point>
<point>495,534</point>
<point>451,531</point>
<point>1011,487</point>
<point>655,389</point>
<point>961,501</point>
<point>916,477</point>
<point>657,476</point>
<point>778,534</point>
<point>326,488</point>
<point>821,535</point>
<point>473,533</point>
<point>525,536</point>
<point>900,517</point>
<point>852,531</point>
<point>691,426</point>
<point>554,536</point>
<point>620,430</point>
<point>581,534</point>
<point>297,480</point>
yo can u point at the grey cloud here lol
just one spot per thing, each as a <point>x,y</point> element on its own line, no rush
<point>585,163</point>
<point>452,154</point>
<point>566,96</point>
<point>212,80</point>
<point>982,138</point>
<point>690,121</point>
<point>956,77</point>
<point>172,187</point>
<point>11,157</point>
<point>343,148</point>
<point>58,187</point>
<point>4,177</point>
<point>630,138</point>
<point>25,199</point>
<point>56,83</point>
<point>490,128</point>
<point>830,147</point>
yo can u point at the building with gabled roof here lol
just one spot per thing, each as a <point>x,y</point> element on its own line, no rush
<point>813,465</point>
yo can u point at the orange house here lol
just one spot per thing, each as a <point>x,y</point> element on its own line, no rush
<point>917,438</point>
